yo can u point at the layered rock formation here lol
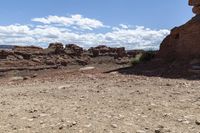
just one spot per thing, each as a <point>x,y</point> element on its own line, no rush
<point>183,43</point>
<point>54,55</point>
<point>59,55</point>
<point>103,50</point>
<point>73,50</point>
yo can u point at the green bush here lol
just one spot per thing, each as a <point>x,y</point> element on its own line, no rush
<point>136,59</point>
<point>143,57</point>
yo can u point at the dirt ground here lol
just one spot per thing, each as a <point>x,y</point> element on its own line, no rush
<point>91,101</point>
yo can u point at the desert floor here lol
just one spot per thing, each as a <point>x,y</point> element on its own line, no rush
<point>91,101</point>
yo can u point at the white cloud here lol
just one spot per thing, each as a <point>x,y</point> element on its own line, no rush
<point>74,20</point>
<point>123,26</point>
<point>130,37</point>
<point>138,37</point>
<point>14,29</point>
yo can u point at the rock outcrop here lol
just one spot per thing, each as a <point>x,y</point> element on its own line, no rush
<point>55,48</point>
<point>183,43</point>
<point>56,55</point>
<point>27,51</point>
<point>73,50</point>
<point>4,54</point>
<point>196,4</point>
<point>103,50</point>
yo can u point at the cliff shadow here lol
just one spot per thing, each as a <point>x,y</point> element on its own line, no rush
<point>159,69</point>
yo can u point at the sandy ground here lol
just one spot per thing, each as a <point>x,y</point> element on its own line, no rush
<point>73,101</point>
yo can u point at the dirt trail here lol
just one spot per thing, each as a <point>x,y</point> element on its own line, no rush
<point>70,101</point>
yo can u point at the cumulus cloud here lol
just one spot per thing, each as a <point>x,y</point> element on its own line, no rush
<point>137,37</point>
<point>74,20</point>
<point>123,26</point>
<point>14,29</point>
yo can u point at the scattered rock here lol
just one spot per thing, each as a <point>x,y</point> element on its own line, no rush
<point>64,87</point>
<point>74,123</point>
<point>159,129</point>
<point>17,78</point>
<point>36,60</point>
<point>140,131</point>
<point>61,127</point>
<point>197,122</point>
<point>43,115</point>
<point>114,125</point>
<point>50,62</point>
<point>71,124</point>
<point>122,61</point>
<point>34,75</point>
<point>86,68</point>
<point>184,121</point>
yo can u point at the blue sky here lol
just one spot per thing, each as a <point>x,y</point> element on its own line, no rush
<point>116,16</point>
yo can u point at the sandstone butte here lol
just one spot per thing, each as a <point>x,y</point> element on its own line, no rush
<point>183,43</point>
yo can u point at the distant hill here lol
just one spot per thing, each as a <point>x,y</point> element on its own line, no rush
<point>6,46</point>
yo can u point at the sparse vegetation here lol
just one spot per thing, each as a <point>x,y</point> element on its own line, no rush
<point>136,59</point>
<point>143,57</point>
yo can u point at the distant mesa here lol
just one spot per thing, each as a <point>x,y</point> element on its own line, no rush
<point>7,46</point>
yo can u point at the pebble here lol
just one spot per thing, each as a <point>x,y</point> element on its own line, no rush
<point>64,87</point>
<point>162,129</point>
<point>74,123</point>
<point>197,122</point>
<point>30,119</point>
<point>86,68</point>
<point>17,78</point>
<point>114,73</point>
<point>43,115</point>
<point>89,125</point>
<point>28,127</point>
<point>184,121</point>
<point>140,131</point>
<point>61,127</point>
<point>159,129</point>
<point>113,125</point>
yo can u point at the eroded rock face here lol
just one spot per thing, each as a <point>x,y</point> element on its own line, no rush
<point>55,48</point>
<point>58,55</point>
<point>27,51</point>
<point>103,50</point>
<point>196,4</point>
<point>184,41</point>
<point>73,49</point>
<point>196,10</point>
<point>4,54</point>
